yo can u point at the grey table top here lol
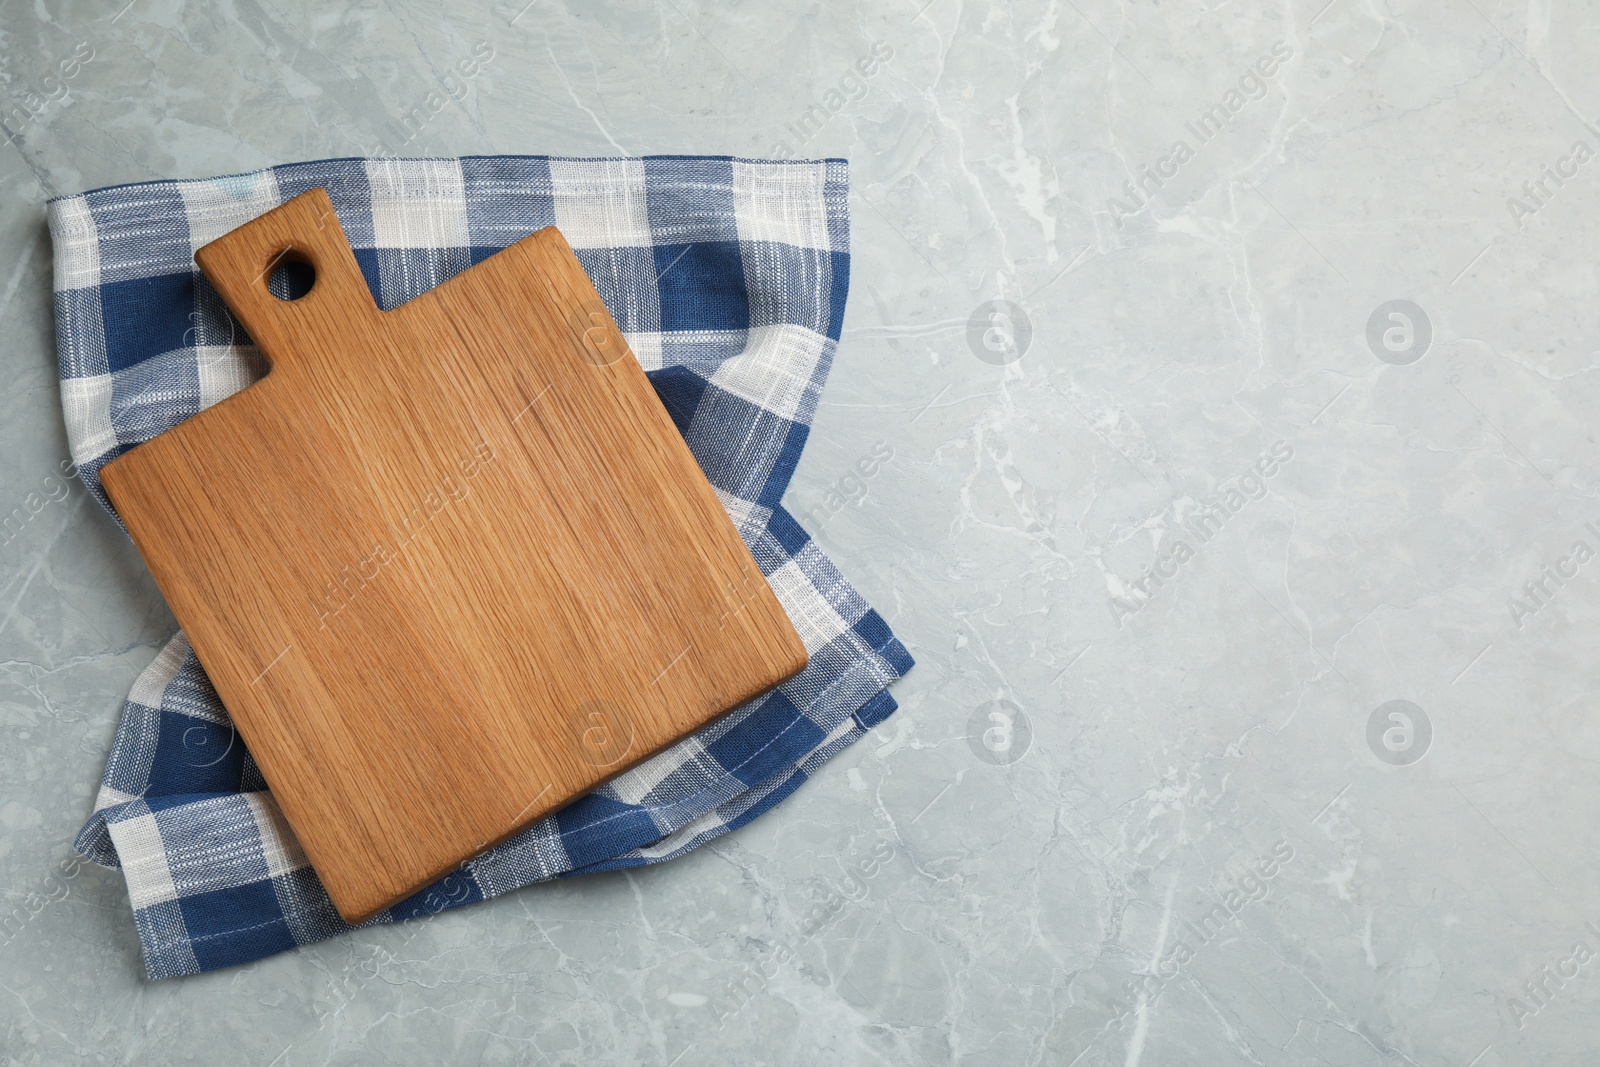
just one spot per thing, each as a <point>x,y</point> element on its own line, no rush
<point>1200,831</point>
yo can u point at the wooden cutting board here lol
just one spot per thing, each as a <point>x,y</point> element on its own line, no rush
<point>449,566</point>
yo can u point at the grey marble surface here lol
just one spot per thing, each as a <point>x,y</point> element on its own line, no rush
<point>1199,832</point>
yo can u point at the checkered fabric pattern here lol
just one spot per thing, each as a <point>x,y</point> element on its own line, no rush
<point>727,277</point>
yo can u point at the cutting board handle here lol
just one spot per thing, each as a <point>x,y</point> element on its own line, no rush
<point>304,229</point>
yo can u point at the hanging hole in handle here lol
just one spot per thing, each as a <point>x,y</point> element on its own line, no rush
<point>290,275</point>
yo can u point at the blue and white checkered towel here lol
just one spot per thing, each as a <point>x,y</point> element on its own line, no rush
<point>728,278</point>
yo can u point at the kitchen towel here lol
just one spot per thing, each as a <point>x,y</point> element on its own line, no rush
<point>727,277</point>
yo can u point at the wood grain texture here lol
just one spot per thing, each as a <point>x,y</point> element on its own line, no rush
<point>449,566</point>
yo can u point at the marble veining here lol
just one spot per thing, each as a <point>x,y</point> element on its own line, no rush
<point>1213,419</point>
